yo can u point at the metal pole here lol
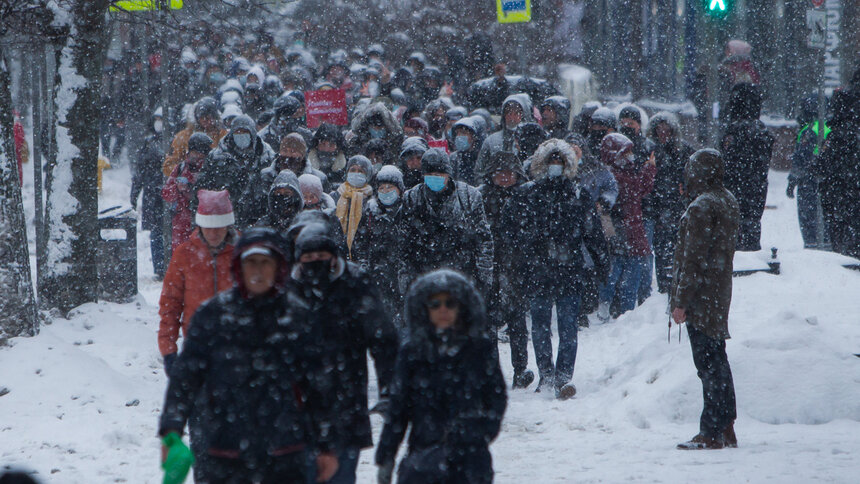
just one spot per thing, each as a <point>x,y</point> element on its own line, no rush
<point>36,78</point>
<point>819,227</point>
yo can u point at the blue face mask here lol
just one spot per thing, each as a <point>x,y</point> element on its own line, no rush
<point>376,133</point>
<point>217,78</point>
<point>242,140</point>
<point>388,198</point>
<point>461,143</point>
<point>554,171</point>
<point>357,180</point>
<point>434,182</point>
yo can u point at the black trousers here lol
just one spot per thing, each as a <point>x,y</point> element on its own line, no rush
<point>287,469</point>
<point>519,336</point>
<point>718,388</point>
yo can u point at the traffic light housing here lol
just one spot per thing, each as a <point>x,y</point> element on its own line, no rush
<point>717,9</point>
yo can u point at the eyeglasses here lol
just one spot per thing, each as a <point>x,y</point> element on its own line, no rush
<point>438,303</point>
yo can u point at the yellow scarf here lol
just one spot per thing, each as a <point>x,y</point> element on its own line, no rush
<point>349,207</point>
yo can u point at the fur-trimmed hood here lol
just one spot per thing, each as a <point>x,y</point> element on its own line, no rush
<point>361,123</point>
<point>671,119</point>
<point>472,319</point>
<point>540,160</point>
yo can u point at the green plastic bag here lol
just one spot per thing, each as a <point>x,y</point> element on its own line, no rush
<point>179,459</point>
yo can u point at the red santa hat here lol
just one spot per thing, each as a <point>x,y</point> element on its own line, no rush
<point>214,209</point>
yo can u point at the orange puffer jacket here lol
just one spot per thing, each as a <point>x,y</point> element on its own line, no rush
<point>193,276</point>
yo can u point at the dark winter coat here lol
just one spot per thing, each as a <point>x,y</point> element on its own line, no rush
<point>507,293</point>
<point>664,204</point>
<point>704,252</point>
<point>446,229</point>
<point>248,375</point>
<point>348,319</point>
<point>552,220</point>
<point>147,178</point>
<point>747,147</point>
<point>376,248</point>
<point>238,172</point>
<point>839,172</point>
<point>448,386</point>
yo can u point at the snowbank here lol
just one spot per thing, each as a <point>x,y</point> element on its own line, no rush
<point>85,394</point>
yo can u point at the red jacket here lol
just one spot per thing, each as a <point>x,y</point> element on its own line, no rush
<point>179,194</point>
<point>193,276</point>
<point>21,149</point>
<point>633,185</point>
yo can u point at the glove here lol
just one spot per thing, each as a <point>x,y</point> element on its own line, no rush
<point>385,473</point>
<point>792,184</point>
<point>178,461</point>
<point>168,363</point>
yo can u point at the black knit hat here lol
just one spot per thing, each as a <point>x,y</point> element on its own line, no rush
<point>631,112</point>
<point>315,237</point>
<point>200,143</point>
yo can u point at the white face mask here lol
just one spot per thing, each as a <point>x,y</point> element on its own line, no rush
<point>357,180</point>
<point>243,140</point>
<point>554,171</point>
<point>158,126</point>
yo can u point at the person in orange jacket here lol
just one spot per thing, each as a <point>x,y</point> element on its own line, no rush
<point>198,270</point>
<point>207,119</point>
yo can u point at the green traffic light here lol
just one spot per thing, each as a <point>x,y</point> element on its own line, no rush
<point>717,9</point>
<point>717,5</point>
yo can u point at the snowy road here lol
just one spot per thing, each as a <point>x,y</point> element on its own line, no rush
<point>85,394</point>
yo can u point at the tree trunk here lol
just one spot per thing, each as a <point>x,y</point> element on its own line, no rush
<point>17,304</point>
<point>71,277</point>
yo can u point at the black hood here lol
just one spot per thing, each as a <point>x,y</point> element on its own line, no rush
<point>472,320</point>
<point>704,172</point>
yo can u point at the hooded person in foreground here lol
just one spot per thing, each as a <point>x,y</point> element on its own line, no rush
<point>702,292</point>
<point>447,385</point>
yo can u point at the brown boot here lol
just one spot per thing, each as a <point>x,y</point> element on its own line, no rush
<point>700,442</point>
<point>729,437</point>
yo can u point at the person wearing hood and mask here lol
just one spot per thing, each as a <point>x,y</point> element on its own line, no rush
<point>287,119</point>
<point>376,122</point>
<point>284,202</point>
<point>350,197</point>
<point>701,292</point>
<point>340,305</point>
<point>507,299</point>
<point>378,239</point>
<point>328,153</point>
<point>147,178</point>
<point>435,113</point>
<point>292,156</point>
<point>747,147</point>
<point>467,145</point>
<point>207,120</point>
<point>177,190</point>
<point>664,206</point>
<point>802,176</point>
<point>582,121</point>
<point>516,109</point>
<point>444,225</point>
<point>236,166</point>
<point>448,387</point>
<point>555,115</point>
<point>603,122</point>
<point>409,163</point>
<point>255,393</point>
<point>314,196</point>
<point>452,116</point>
<point>627,229</point>
<point>552,221</point>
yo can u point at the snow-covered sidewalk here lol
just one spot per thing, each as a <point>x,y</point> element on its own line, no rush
<point>85,394</point>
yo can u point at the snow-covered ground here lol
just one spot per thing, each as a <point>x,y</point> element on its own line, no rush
<point>85,394</point>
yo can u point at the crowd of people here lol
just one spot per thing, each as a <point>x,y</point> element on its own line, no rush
<point>424,231</point>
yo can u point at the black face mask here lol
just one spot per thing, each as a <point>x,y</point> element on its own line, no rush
<point>594,139</point>
<point>326,159</point>
<point>629,132</point>
<point>317,272</point>
<point>293,164</point>
<point>284,208</point>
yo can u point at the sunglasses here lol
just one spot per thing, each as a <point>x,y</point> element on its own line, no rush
<point>438,303</point>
